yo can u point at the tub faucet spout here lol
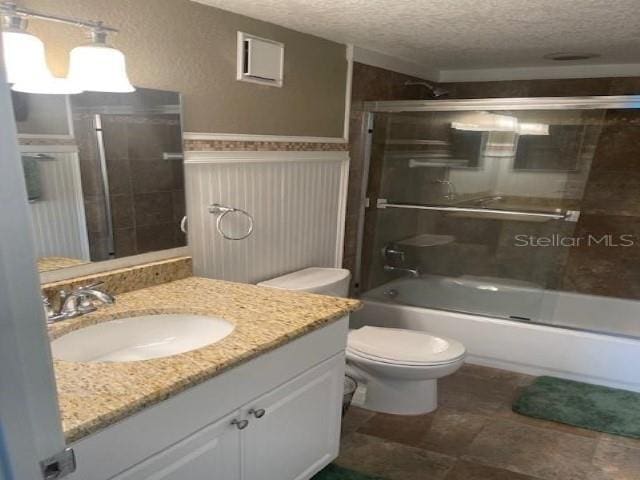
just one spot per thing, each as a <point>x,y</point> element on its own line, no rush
<point>413,272</point>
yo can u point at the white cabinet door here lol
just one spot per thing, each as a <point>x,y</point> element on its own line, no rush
<point>212,453</point>
<point>299,431</point>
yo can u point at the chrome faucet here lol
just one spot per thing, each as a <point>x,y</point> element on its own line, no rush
<point>413,272</point>
<point>390,252</point>
<point>77,302</point>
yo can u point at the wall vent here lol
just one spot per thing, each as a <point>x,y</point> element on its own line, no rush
<point>260,60</point>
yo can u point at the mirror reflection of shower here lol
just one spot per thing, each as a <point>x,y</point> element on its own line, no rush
<point>434,91</point>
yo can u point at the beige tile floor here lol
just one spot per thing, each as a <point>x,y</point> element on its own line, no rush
<point>474,435</point>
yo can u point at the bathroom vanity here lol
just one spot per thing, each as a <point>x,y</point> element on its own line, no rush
<point>263,403</point>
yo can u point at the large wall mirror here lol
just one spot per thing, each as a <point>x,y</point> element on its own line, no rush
<point>104,174</point>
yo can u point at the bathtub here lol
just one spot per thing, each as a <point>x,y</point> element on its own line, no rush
<point>521,327</point>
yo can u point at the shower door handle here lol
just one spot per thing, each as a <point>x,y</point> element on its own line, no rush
<point>102,158</point>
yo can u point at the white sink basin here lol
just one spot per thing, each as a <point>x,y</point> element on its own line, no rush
<point>140,338</point>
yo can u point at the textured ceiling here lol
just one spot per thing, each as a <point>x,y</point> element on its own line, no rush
<point>464,34</point>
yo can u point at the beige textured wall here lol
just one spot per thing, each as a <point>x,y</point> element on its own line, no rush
<point>185,46</point>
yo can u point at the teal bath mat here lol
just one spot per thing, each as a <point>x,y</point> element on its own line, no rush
<point>334,472</point>
<point>583,405</point>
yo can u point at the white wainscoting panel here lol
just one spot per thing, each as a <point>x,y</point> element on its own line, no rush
<point>297,200</point>
<point>59,217</point>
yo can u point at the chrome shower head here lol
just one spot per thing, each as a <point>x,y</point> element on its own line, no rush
<point>436,92</point>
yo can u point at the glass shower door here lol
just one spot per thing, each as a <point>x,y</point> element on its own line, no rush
<point>469,209</point>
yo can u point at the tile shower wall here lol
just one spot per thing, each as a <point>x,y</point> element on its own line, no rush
<point>369,83</point>
<point>611,201</point>
<point>92,186</point>
<point>147,192</point>
<point>483,247</point>
<point>609,205</point>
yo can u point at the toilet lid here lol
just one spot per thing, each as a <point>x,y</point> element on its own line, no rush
<point>308,279</point>
<point>405,347</point>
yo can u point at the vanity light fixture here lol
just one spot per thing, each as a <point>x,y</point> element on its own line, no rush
<point>98,67</point>
<point>24,57</point>
<point>94,67</point>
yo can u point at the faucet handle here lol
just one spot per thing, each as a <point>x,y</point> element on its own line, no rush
<point>46,304</point>
<point>63,295</point>
<point>88,292</point>
<point>391,251</point>
<point>76,302</point>
<point>84,304</point>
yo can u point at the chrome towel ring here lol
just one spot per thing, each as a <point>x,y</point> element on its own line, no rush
<point>221,211</point>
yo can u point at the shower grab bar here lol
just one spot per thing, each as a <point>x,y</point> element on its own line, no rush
<point>568,216</point>
<point>172,156</point>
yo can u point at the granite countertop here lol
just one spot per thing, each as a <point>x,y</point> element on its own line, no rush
<point>47,264</point>
<point>95,395</point>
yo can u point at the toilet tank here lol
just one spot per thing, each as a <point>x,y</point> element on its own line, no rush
<point>324,281</point>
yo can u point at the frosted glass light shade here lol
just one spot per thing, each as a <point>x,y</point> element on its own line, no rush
<point>99,68</point>
<point>533,129</point>
<point>24,57</point>
<point>52,85</point>
<point>486,122</point>
<point>27,67</point>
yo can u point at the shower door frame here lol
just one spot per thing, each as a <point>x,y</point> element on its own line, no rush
<point>370,109</point>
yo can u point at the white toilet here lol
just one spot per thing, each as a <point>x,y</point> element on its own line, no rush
<point>397,368</point>
<point>325,281</point>
<point>401,367</point>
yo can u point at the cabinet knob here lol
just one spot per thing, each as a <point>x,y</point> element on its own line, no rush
<point>258,413</point>
<point>240,424</point>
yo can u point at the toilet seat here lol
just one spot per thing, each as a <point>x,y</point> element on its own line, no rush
<point>397,346</point>
<point>354,355</point>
